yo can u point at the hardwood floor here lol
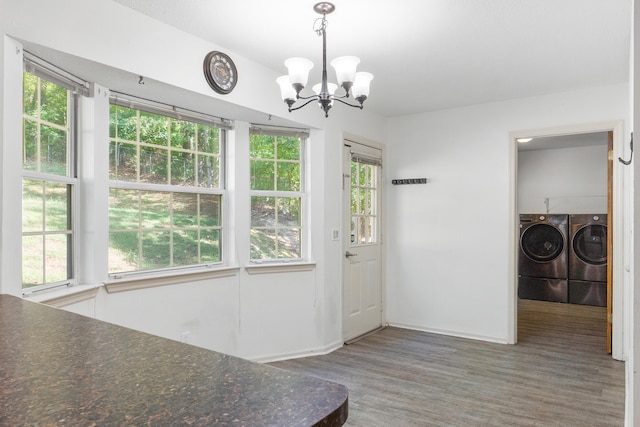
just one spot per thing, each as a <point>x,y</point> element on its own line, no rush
<point>558,374</point>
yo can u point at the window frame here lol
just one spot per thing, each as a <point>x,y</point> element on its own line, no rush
<point>76,89</point>
<point>303,135</point>
<point>224,126</point>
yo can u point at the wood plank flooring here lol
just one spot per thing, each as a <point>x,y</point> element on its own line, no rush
<point>558,374</point>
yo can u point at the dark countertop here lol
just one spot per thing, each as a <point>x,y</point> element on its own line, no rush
<point>60,368</point>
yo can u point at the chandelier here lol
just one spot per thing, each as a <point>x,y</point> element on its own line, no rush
<point>350,81</point>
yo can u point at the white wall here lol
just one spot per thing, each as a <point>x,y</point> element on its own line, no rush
<point>450,248</point>
<point>262,316</point>
<point>563,180</point>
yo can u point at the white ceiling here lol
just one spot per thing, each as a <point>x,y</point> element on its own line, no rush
<point>426,54</point>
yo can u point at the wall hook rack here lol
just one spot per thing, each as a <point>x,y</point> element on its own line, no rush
<point>628,162</point>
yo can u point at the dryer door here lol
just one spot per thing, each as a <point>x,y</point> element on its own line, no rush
<point>542,243</point>
<point>590,244</point>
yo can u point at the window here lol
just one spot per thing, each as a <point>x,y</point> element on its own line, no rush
<point>48,181</point>
<point>166,189</point>
<point>364,193</point>
<point>276,196</point>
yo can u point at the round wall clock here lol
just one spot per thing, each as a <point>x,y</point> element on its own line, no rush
<point>220,72</point>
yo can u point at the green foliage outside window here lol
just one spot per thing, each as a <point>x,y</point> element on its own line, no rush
<point>47,233</point>
<point>159,229</point>
<point>276,203</point>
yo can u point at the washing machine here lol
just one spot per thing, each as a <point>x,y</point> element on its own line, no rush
<point>588,259</point>
<point>543,258</point>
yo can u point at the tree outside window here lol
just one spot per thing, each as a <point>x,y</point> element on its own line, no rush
<point>276,197</point>
<point>48,182</point>
<point>165,201</point>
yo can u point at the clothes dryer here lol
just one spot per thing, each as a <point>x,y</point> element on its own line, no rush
<point>543,259</point>
<point>588,259</point>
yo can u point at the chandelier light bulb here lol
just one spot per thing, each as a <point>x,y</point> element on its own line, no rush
<point>345,67</point>
<point>287,91</point>
<point>361,85</point>
<point>298,70</point>
<point>331,87</point>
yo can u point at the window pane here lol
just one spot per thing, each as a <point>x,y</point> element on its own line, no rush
<point>154,129</point>
<point>32,260</point>
<point>210,210</point>
<point>208,171</point>
<point>155,209</point>
<point>354,229</point>
<point>210,246</point>
<point>57,250</point>
<point>123,161</point>
<point>208,139</point>
<point>153,165</point>
<point>124,208</point>
<point>183,134</point>
<point>263,211</point>
<point>369,202</point>
<point>57,202</point>
<point>262,175</point>
<point>53,150</point>
<point>263,244</point>
<point>355,195</point>
<point>156,250</point>
<point>288,177</point>
<point>123,251</point>
<point>30,94</point>
<point>185,210</point>
<point>262,146</point>
<point>30,146</point>
<point>289,211</point>
<point>185,247</point>
<point>32,206</point>
<point>288,148</point>
<point>354,173</point>
<point>53,103</point>
<point>183,168</point>
<point>289,243</point>
<point>123,123</point>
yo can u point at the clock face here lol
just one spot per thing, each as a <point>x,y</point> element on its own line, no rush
<point>220,72</point>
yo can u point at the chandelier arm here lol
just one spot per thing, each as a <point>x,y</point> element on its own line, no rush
<point>312,97</point>
<point>306,103</point>
<point>350,105</point>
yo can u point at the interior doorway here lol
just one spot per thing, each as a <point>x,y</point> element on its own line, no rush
<point>566,176</point>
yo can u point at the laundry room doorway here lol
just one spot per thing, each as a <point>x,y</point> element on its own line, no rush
<point>568,174</point>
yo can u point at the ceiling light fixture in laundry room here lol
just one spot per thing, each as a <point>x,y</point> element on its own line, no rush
<point>351,82</point>
<point>523,140</point>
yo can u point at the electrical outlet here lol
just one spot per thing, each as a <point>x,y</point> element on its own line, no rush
<point>185,336</point>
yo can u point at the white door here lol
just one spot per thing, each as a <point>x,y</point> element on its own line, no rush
<point>362,281</point>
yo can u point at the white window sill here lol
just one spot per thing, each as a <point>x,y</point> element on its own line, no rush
<point>141,281</point>
<point>66,296</point>
<point>280,267</point>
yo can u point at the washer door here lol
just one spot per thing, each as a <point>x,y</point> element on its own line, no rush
<point>542,242</point>
<point>590,244</point>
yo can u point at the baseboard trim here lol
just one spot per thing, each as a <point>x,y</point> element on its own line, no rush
<point>297,355</point>
<point>450,333</point>
<point>366,334</point>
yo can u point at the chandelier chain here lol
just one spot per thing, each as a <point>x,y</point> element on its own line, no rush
<point>320,25</point>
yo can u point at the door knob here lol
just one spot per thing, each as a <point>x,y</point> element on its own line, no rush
<point>349,254</point>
